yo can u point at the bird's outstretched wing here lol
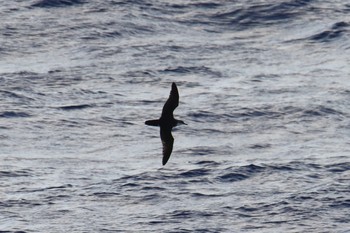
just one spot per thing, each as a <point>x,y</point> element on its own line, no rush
<point>168,142</point>
<point>171,103</point>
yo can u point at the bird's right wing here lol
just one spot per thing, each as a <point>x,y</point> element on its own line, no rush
<point>168,142</point>
<point>172,102</point>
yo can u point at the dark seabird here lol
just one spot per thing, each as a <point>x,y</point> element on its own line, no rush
<point>166,122</point>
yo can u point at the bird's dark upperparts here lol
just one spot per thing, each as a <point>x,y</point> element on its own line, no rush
<point>166,122</point>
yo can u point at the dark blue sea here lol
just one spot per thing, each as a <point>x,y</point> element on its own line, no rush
<point>264,89</point>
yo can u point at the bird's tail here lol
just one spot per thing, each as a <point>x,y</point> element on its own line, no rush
<point>152,122</point>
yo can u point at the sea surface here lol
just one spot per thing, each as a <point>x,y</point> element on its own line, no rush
<point>264,89</point>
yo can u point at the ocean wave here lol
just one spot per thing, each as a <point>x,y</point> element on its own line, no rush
<point>181,70</point>
<point>14,114</point>
<point>246,17</point>
<point>234,174</point>
<point>113,30</point>
<point>195,173</point>
<point>57,3</point>
<point>338,167</point>
<point>11,94</point>
<point>190,213</point>
<point>53,188</point>
<point>18,173</point>
<point>205,5</point>
<point>75,107</point>
<point>12,231</point>
<point>235,16</point>
<point>266,112</point>
<point>335,32</point>
<point>201,151</point>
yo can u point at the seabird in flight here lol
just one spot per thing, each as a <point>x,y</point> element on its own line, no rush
<point>166,122</point>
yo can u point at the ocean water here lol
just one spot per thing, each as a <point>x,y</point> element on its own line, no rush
<point>264,88</point>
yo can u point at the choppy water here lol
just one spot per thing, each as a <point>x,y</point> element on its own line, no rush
<point>264,88</point>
